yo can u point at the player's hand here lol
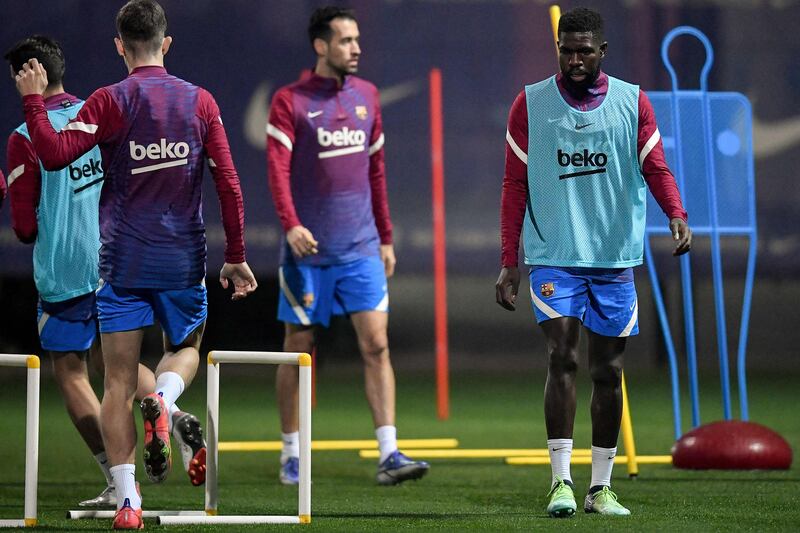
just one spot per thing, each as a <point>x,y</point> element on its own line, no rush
<point>387,256</point>
<point>32,79</point>
<point>244,282</point>
<point>301,241</point>
<point>506,287</point>
<point>681,234</point>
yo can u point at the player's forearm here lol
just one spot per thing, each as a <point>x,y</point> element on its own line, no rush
<point>278,170</point>
<point>380,197</point>
<point>512,216</point>
<point>665,191</point>
<point>229,191</point>
<point>232,209</point>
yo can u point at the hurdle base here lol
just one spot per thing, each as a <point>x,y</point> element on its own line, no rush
<point>233,519</point>
<point>109,513</point>
<point>17,522</point>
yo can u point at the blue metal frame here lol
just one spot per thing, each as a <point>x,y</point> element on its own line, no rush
<point>714,230</point>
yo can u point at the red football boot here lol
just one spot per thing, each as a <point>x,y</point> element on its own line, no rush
<point>157,453</point>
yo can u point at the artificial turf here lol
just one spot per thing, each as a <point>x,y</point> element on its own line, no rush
<point>489,409</point>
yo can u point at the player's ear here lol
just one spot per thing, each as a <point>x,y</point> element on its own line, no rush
<point>320,47</point>
<point>604,49</point>
<point>165,45</point>
<point>120,46</point>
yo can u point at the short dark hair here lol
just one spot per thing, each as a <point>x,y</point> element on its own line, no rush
<point>319,27</point>
<point>142,25</point>
<point>46,50</point>
<point>582,20</point>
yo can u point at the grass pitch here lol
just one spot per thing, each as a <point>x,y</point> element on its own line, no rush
<point>488,410</point>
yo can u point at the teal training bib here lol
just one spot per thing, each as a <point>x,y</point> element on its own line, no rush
<point>65,255</point>
<point>586,192</point>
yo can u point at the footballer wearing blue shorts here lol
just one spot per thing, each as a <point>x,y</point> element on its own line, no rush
<point>156,134</point>
<point>582,149</point>
<point>57,211</point>
<point>328,183</point>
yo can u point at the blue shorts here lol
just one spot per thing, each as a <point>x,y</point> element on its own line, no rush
<point>68,326</point>
<point>179,311</point>
<point>604,299</point>
<point>309,295</point>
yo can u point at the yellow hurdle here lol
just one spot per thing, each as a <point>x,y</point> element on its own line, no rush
<point>328,445</point>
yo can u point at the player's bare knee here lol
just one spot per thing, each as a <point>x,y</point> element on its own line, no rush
<point>562,360</point>
<point>607,374</point>
<point>374,349</point>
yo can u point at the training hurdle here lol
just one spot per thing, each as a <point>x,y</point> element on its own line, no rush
<point>31,362</point>
<point>303,361</point>
<point>334,445</point>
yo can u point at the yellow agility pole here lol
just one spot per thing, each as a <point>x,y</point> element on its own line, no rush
<point>627,434</point>
<point>555,14</point>
<point>478,453</point>
<point>587,460</point>
<point>626,427</point>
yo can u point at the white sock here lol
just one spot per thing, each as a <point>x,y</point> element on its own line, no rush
<point>291,445</point>
<point>602,464</point>
<point>170,386</point>
<point>560,451</point>
<point>172,410</point>
<point>387,441</point>
<point>125,483</point>
<point>102,461</point>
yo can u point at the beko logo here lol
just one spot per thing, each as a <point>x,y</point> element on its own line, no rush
<point>160,150</point>
<point>342,137</point>
<point>582,159</point>
<point>346,141</point>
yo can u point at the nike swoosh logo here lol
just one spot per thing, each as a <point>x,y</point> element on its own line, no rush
<point>633,305</point>
<point>312,114</point>
<point>581,126</point>
<point>557,449</point>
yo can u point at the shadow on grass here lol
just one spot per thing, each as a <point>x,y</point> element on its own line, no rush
<point>722,480</point>
<point>424,516</point>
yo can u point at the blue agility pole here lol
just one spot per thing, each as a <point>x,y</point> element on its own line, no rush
<point>713,162</point>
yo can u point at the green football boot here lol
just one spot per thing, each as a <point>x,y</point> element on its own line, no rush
<point>604,501</point>
<point>562,500</point>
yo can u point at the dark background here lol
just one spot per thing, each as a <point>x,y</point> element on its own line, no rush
<point>488,50</point>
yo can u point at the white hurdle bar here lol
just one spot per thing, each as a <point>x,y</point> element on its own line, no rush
<point>31,362</point>
<point>303,361</point>
<point>110,513</point>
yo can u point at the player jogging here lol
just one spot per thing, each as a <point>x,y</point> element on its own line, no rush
<point>57,211</point>
<point>327,177</point>
<point>155,133</point>
<point>582,149</point>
